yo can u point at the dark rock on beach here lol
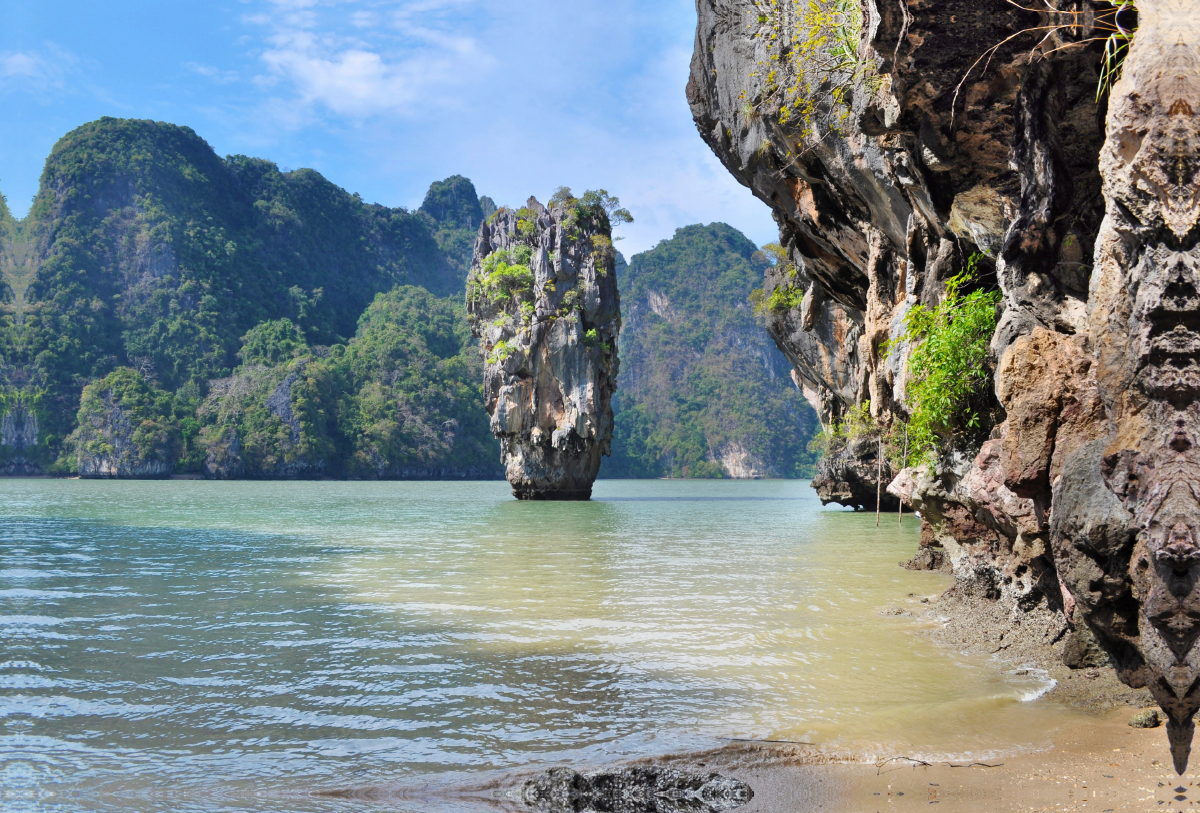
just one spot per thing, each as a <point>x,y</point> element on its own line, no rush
<point>633,790</point>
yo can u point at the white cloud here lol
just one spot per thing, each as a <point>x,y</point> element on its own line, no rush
<point>37,71</point>
<point>212,72</point>
<point>344,60</point>
<point>522,98</point>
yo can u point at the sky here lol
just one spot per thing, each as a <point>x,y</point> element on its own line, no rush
<point>384,97</point>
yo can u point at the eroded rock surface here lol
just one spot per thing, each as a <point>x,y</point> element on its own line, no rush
<point>1080,496</point>
<point>542,298</point>
<point>1127,515</point>
<point>634,790</point>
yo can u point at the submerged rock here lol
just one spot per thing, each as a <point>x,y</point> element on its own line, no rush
<point>634,790</point>
<point>542,298</point>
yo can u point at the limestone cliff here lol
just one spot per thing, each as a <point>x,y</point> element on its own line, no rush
<point>1127,512</point>
<point>885,173</point>
<point>542,298</point>
<point>894,146</point>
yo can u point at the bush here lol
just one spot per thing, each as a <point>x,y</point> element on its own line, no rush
<point>272,343</point>
<point>503,272</point>
<point>948,364</point>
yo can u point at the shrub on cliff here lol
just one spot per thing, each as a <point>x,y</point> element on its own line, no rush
<point>949,366</point>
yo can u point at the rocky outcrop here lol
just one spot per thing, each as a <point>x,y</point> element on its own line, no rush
<point>254,429</point>
<point>887,164</point>
<point>1127,513</point>
<point>633,790</point>
<point>122,430</point>
<point>542,298</point>
<point>849,476</point>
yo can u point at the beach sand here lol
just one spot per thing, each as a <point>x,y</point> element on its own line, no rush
<point>1100,765</point>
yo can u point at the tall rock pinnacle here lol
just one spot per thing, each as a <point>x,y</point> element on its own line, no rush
<point>542,299</point>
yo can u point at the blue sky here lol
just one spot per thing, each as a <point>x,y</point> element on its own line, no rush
<point>385,96</point>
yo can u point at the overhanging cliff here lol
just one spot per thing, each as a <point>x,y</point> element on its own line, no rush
<point>894,142</point>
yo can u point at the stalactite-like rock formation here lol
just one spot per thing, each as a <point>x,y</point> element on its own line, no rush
<point>542,298</point>
<point>1127,519</point>
<point>890,168</point>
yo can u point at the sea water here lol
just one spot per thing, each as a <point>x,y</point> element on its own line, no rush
<point>227,646</point>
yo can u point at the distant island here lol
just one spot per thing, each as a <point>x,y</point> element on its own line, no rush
<point>165,311</point>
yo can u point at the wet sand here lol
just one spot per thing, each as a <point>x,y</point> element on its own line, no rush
<point>1101,765</point>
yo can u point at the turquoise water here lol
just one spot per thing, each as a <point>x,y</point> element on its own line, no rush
<point>242,646</point>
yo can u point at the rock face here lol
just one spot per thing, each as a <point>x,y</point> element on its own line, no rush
<point>633,790</point>
<point>18,439</point>
<point>886,169</point>
<point>1126,518</point>
<point>542,298</point>
<point>850,477</point>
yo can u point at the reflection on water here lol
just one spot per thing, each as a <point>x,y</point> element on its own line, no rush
<point>191,645</point>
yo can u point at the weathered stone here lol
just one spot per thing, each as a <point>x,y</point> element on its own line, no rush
<point>549,345</point>
<point>929,558</point>
<point>1081,650</point>
<point>1127,514</point>
<point>1046,385</point>
<point>850,476</point>
<point>633,790</point>
<point>1146,718</point>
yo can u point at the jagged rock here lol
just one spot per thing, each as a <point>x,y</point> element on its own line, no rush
<point>633,790</point>
<point>1127,513</point>
<point>542,298</point>
<point>850,477</point>
<point>928,557</point>
<point>1081,650</point>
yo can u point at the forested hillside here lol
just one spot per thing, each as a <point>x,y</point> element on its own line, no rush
<point>164,310</point>
<point>702,391</point>
<point>154,254</point>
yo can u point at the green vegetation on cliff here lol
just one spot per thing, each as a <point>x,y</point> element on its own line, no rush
<point>949,366</point>
<point>125,426</point>
<point>148,253</point>
<point>702,391</point>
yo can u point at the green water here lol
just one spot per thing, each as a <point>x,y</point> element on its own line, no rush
<point>203,646</point>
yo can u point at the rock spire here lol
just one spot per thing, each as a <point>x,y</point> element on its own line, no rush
<point>542,299</point>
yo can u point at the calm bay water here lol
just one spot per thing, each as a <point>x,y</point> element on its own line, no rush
<point>235,646</point>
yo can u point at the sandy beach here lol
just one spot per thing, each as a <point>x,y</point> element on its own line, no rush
<point>1102,765</point>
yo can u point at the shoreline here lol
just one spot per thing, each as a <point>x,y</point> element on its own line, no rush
<point>1096,761</point>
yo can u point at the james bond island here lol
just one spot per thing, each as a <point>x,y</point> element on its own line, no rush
<point>542,298</point>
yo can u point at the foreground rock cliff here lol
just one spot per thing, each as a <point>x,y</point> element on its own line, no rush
<point>897,150</point>
<point>542,298</point>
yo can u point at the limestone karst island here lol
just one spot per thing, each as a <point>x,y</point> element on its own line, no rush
<point>698,406</point>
